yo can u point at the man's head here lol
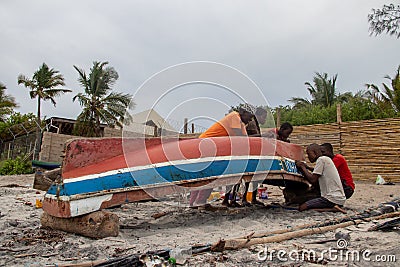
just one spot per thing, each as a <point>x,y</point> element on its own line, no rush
<point>261,115</point>
<point>327,150</point>
<point>246,112</point>
<point>313,152</point>
<point>284,131</point>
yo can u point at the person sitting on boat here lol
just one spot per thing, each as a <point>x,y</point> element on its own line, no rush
<point>332,194</point>
<point>253,127</point>
<point>281,134</point>
<point>233,124</point>
<point>342,167</point>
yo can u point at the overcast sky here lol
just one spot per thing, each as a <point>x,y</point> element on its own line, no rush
<point>277,44</point>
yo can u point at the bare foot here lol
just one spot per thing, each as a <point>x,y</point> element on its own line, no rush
<point>337,208</point>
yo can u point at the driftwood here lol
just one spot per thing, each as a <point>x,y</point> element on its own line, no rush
<point>98,224</point>
<point>160,214</point>
<point>82,264</point>
<point>386,225</point>
<point>239,243</point>
<point>383,208</point>
<point>44,179</point>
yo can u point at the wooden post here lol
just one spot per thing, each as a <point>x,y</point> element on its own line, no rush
<point>9,149</point>
<point>278,117</point>
<point>339,113</point>
<point>155,131</point>
<point>185,125</point>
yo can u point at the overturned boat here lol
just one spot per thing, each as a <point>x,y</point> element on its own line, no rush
<point>106,172</point>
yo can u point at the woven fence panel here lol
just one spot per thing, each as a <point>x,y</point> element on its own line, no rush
<point>371,147</point>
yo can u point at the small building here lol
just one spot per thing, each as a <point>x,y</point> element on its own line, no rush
<point>150,123</point>
<point>64,125</point>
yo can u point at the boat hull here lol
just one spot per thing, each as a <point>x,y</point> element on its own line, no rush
<point>142,169</point>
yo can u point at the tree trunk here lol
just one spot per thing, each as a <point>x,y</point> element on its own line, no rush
<point>38,142</point>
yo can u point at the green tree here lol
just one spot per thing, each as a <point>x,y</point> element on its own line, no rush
<point>322,91</point>
<point>43,87</point>
<point>386,20</point>
<point>100,104</point>
<point>17,123</point>
<point>388,96</point>
<point>7,103</point>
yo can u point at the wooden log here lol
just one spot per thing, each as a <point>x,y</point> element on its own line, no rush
<point>43,179</point>
<point>97,225</point>
<point>238,243</point>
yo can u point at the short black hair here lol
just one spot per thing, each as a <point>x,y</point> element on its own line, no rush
<point>328,146</point>
<point>286,126</point>
<point>314,146</point>
<point>260,111</point>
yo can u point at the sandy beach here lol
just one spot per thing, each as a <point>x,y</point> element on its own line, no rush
<point>24,243</point>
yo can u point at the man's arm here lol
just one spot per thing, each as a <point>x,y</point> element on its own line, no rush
<point>309,168</point>
<point>311,177</point>
<point>237,132</point>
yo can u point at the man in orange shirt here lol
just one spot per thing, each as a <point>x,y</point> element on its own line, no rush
<point>233,124</point>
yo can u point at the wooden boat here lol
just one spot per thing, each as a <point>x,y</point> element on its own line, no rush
<point>101,173</point>
<point>45,165</point>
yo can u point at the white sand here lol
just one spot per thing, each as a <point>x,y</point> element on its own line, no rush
<point>24,243</point>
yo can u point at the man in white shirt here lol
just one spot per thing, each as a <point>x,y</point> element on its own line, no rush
<point>332,194</point>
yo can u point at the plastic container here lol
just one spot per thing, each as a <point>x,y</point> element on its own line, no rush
<point>214,196</point>
<point>180,254</point>
<point>262,193</point>
<point>249,196</point>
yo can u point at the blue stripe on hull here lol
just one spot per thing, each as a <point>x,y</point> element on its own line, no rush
<point>165,174</point>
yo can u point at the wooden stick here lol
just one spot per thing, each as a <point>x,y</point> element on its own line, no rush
<point>25,255</point>
<point>82,264</point>
<point>14,249</point>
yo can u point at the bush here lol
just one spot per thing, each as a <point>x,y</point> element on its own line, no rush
<point>15,166</point>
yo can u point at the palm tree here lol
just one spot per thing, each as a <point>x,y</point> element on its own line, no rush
<point>42,86</point>
<point>323,92</point>
<point>100,104</point>
<point>7,103</point>
<point>389,96</point>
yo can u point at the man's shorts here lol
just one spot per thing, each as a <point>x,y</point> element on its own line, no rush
<point>348,191</point>
<point>319,203</point>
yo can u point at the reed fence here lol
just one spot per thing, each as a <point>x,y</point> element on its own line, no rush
<point>371,147</point>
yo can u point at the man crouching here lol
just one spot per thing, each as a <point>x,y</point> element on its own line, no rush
<point>332,194</point>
